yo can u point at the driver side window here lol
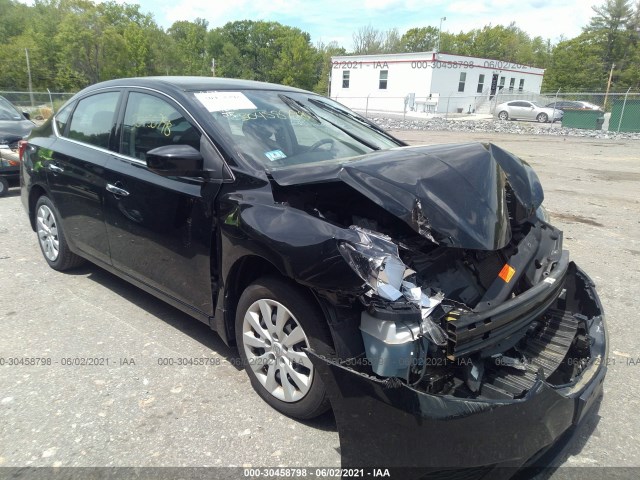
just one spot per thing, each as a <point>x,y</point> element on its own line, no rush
<point>150,122</point>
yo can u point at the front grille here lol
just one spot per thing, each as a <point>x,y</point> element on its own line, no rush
<point>545,350</point>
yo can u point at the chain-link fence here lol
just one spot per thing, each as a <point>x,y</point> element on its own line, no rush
<point>616,112</point>
<point>40,105</point>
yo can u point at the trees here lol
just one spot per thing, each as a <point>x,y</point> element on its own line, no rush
<point>611,40</point>
<point>265,51</point>
<point>422,39</point>
<point>73,43</point>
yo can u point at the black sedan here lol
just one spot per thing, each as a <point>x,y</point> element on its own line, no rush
<point>420,292</point>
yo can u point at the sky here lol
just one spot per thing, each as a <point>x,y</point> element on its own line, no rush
<point>329,20</point>
<point>336,20</point>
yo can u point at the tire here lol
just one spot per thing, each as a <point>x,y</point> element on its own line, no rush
<point>267,354</point>
<point>503,115</point>
<point>4,186</point>
<point>542,118</point>
<point>51,237</point>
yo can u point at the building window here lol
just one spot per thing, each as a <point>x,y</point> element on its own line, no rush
<point>512,83</point>
<point>463,79</point>
<point>384,74</point>
<point>345,78</point>
<point>521,86</point>
<point>480,84</point>
<point>502,80</point>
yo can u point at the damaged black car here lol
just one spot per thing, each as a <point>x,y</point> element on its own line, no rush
<point>419,292</point>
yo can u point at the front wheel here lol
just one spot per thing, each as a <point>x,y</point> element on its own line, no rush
<point>275,321</point>
<point>503,115</point>
<point>51,238</point>
<point>543,118</point>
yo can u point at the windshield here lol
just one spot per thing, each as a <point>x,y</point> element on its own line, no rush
<point>537,104</point>
<point>279,129</point>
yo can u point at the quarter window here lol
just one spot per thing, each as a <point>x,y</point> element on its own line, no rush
<point>150,122</point>
<point>345,78</point>
<point>62,118</point>
<point>480,84</point>
<point>92,120</point>
<point>463,79</point>
<point>384,75</point>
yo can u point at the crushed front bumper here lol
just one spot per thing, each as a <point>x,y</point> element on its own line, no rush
<point>383,425</point>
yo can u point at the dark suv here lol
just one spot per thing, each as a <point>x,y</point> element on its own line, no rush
<point>419,291</point>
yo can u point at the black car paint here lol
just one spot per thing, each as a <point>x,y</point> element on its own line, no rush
<point>469,215</point>
<point>197,242</point>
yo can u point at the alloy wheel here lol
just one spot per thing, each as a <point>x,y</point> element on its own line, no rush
<point>273,341</point>
<point>48,233</point>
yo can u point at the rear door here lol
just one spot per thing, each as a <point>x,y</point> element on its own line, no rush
<point>160,229</point>
<point>75,170</point>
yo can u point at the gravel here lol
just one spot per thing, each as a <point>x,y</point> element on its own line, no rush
<point>498,126</point>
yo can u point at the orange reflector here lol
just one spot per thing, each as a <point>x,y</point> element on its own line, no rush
<point>507,273</point>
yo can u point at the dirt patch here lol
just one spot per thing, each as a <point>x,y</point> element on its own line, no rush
<point>616,176</point>
<point>567,217</point>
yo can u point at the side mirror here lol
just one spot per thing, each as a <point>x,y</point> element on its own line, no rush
<point>176,161</point>
<point>26,115</point>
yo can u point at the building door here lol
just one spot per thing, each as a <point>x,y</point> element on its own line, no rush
<point>494,85</point>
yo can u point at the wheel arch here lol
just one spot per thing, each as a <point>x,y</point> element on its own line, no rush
<point>243,273</point>
<point>35,193</point>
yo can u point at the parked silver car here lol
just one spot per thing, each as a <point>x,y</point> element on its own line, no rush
<point>526,110</point>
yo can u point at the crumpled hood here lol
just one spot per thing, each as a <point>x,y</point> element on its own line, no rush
<point>453,195</point>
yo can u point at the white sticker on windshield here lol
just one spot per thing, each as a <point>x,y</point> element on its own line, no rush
<point>221,101</point>
<point>274,155</point>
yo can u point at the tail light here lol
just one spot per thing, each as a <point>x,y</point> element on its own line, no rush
<point>22,146</point>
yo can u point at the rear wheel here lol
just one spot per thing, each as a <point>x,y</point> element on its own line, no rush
<point>275,321</point>
<point>542,117</point>
<point>51,238</point>
<point>503,115</point>
<point>4,186</point>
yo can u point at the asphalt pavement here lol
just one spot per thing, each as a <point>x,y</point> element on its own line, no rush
<point>112,381</point>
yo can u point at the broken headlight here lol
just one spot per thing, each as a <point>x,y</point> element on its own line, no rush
<point>376,260</point>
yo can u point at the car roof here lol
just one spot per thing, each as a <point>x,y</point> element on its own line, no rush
<point>192,84</point>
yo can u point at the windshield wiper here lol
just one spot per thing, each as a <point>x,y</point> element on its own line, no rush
<point>362,121</point>
<point>298,107</point>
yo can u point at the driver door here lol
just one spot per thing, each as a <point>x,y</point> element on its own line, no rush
<point>160,229</point>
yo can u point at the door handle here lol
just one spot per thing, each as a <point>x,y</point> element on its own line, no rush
<point>117,191</point>
<point>55,168</point>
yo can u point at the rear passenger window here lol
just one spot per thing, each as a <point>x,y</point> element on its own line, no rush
<point>92,120</point>
<point>150,122</point>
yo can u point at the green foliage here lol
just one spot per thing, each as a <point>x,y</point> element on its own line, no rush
<point>265,51</point>
<point>609,44</point>
<point>74,43</point>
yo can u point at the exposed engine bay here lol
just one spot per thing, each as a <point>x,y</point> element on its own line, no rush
<point>471,323</point>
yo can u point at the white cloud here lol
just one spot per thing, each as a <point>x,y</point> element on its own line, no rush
<point>548,22</point>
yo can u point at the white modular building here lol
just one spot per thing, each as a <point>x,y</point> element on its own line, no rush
<point>428,82</point>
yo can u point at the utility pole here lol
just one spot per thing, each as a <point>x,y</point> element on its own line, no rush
<point>213,67</point>
<point>606,95</point>
<point>26,51</point>
<point>439,32</point>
